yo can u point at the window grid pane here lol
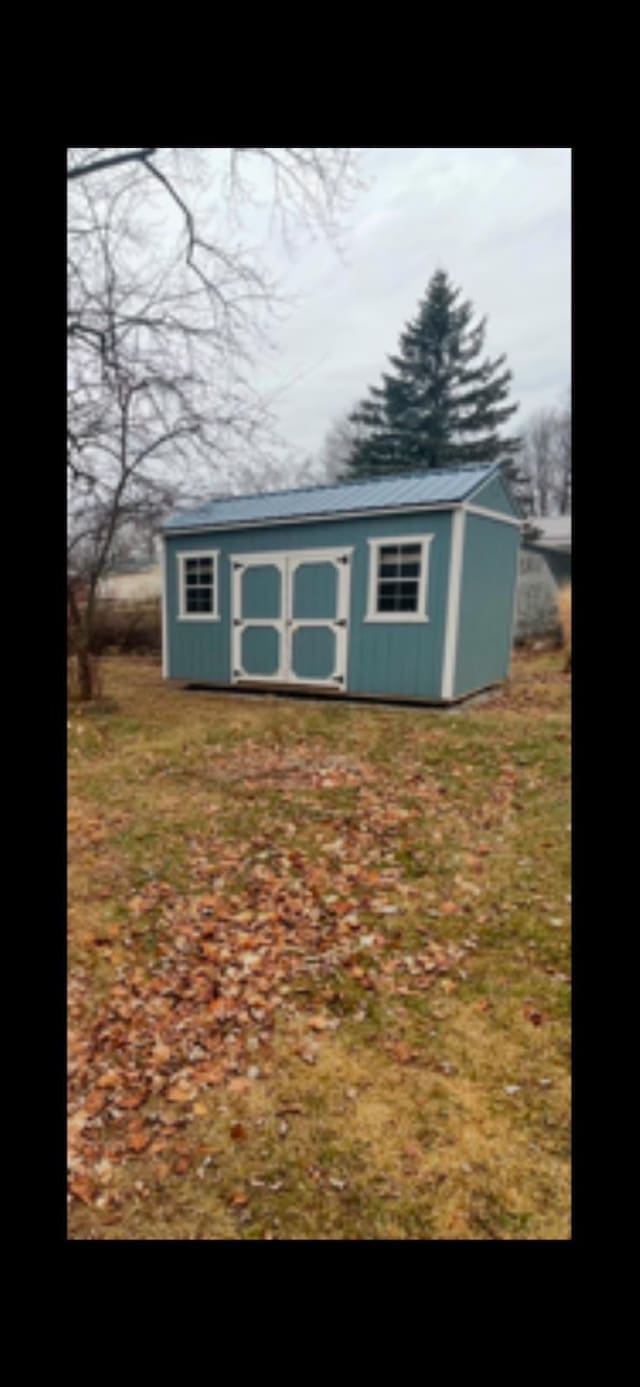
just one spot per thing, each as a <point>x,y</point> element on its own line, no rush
<point>398,577</point>
<point>199,586</point>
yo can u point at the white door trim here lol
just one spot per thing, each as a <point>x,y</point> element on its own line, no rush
<point>239,564</point>
<point>287,561</point>
<point>341,559</point>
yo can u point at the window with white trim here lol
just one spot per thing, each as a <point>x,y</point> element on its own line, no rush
<point>398,570</point>
<point>198,585</point>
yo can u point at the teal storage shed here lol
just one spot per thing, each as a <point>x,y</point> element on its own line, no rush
<point>398,588</point>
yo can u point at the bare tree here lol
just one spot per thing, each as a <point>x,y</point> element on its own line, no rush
<point>338,446</point>
<point>564,450</point>
<point>163,322</point>
<point>546,460</point>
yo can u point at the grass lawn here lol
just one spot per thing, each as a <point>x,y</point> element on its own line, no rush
<point>319,964</point>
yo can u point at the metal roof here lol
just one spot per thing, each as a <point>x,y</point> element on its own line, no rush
<point>446,486</point>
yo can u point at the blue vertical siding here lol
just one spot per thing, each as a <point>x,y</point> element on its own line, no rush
<point>405,660</point>
<point>494,496</point>
<point>489,574</point>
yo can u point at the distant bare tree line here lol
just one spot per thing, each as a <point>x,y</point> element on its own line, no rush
<point>546,460</point>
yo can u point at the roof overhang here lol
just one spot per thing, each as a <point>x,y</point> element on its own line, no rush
<point>209,527</point>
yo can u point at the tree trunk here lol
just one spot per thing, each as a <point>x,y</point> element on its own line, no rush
<point>81,652</point>
<point>85,674</point>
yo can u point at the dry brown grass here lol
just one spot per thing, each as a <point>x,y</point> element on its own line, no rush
<point>441,1116</point>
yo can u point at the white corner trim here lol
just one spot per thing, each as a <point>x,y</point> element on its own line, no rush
<point>420,616</point>
<point>165,614</point>
<point>493,515</point>
<point>514,612</point>
<point>456,556</point>
<point>181,556</point>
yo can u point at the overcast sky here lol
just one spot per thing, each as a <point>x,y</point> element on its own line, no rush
<point>498,220</point>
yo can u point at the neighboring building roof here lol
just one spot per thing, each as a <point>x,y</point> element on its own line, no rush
<point>447,486</point>
<point>555,531</point>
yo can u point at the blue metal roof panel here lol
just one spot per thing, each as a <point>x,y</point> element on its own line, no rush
<point>446,486</point>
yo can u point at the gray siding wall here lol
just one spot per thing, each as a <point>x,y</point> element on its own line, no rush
<point>489,575</point>
<point>382,658</point>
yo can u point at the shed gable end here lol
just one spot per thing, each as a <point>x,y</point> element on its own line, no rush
<point>493,495</point>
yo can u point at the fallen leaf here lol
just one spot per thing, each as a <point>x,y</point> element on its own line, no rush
<point>239,1199</point>
<point>95,1102</point>
<point>210,1074</point>
<point>238,1131</point>
<point>180,1093</point>
<point>83,1188</point>
<point>133,1099</point>
<point>239,1085</point>
<point>109,1080</point>
<point>138,1141</point>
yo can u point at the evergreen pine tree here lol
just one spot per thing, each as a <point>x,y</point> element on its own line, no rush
<point>442,405</point>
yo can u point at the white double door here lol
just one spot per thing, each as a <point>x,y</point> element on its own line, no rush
<point>290,617</point>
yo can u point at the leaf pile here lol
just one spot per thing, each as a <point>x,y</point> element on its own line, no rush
<point>256,942</point>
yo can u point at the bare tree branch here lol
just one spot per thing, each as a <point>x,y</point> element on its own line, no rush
<point>136,155</point>
<point>162,332</point>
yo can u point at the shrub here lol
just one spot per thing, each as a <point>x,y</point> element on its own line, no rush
<point>129,629</point>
